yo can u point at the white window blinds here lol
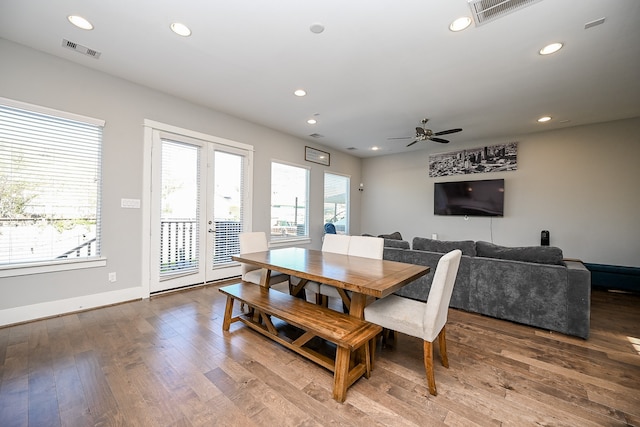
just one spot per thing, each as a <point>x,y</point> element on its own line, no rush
<point>50,172</point>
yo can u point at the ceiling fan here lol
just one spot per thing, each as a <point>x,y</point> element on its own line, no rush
<point>424,134</point>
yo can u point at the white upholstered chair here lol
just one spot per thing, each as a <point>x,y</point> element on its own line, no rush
<point>362,246</point>
<point>256,241</point>
<point>334,243</point>
<point>419,319</point>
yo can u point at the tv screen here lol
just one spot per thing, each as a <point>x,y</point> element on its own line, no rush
<point>472,198</point>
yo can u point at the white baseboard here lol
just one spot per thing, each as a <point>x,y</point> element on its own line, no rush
<point>43,310</point>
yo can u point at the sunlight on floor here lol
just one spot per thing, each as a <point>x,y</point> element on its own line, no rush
<point>635,343</point>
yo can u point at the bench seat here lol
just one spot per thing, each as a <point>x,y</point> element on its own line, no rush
<point>353,337</point>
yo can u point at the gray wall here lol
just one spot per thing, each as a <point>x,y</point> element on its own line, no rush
<point>580,183</point>
<point>31,76</point>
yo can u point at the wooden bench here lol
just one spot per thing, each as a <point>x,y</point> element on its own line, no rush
<point>352,336</point>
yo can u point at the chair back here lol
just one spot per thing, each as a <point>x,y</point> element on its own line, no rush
<point>366,246</point>
<point>329,228</point>
<point>336,243</point>
<point>252,241</point>
<point>437,307</point>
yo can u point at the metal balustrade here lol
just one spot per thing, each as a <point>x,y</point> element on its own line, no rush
<point>179,245</point>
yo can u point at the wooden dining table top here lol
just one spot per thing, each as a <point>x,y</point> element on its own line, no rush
<point>365,276</point>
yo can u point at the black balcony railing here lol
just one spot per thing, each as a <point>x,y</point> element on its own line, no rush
<point>179,245</point>
<point>83,250</point>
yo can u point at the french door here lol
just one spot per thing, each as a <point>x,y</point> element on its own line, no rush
<point>199,197</point>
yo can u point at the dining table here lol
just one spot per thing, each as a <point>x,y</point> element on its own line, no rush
<point>365,278</point>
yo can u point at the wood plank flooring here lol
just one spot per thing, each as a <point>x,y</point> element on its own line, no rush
<point>166,362</point>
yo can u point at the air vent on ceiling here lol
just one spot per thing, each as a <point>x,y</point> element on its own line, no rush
<point>316,135</point>
<point>80,49</point>
<point>487,10</point>
<point>593,23</point>
<point>351,148</point>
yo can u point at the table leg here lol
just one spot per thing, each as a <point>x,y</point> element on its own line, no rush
<point>358,302</point>
<point>265,277</point>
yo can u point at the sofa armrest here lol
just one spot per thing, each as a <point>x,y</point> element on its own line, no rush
<point>579,297</point>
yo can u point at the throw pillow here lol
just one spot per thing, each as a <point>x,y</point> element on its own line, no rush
<point>536,254</point>
<point>395,235</point>
<point>468,247</point>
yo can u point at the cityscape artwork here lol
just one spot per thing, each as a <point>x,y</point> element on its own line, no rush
<point>492,158</point>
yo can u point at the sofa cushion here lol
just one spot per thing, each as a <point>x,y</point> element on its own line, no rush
<point>395,236</point>
<point>468,247</point>
<point>536,254</point>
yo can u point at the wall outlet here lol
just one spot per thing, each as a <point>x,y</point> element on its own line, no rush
<point>112,277</point>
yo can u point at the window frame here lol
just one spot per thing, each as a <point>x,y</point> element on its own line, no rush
<point>298,239</point>
<point>347,215</point>
<point>25,267</point>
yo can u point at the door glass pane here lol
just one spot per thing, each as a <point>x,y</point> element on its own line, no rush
<point>336,202</point>
<point>227,210</point>
<point>179,233</point>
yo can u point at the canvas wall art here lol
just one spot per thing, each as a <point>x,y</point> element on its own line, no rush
<point>492,158</point>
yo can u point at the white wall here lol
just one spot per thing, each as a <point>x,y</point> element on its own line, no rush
<point>31,76</point>
<point>580,183</point>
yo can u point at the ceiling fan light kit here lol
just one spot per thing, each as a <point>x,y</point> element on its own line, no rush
<point>424,134</point>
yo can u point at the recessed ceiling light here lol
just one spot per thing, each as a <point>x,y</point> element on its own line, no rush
<point>316,28</point>
<point>180,29</point>
<point>551,48</point>
<point>80,22</point>
<point>299,92</point>
<point>375,148</point>
<point>544,119</point>
<point>460,23</point>
<point>312,121</point>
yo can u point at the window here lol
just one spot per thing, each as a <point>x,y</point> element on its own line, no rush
<point>50,166</point>
<point>336,201</point>
<point>289,190</point>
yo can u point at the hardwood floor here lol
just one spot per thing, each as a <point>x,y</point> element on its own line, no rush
<point>166,362</point>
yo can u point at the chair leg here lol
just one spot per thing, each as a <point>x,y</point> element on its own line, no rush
<point>442,343</point>
<point>428,366</point>
<point>388,336</point>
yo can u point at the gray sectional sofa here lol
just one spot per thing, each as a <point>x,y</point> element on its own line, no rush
<point>529,285</point>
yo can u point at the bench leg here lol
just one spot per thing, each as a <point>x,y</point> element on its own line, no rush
<point>341,374</point>
<point>228,310</point>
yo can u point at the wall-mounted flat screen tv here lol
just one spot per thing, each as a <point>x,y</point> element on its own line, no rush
<point>471,198</point>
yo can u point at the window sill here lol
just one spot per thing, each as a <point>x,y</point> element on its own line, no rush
<point>25,269</point>
<point>289,242</point>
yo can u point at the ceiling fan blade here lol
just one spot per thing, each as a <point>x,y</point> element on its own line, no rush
<point>440,140</point>
<point>401,137</point>
<point>412,143</point>
<point>445,132</point>
<point>419,131</point>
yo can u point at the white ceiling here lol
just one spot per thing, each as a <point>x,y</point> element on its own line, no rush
<point>379,67</point>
